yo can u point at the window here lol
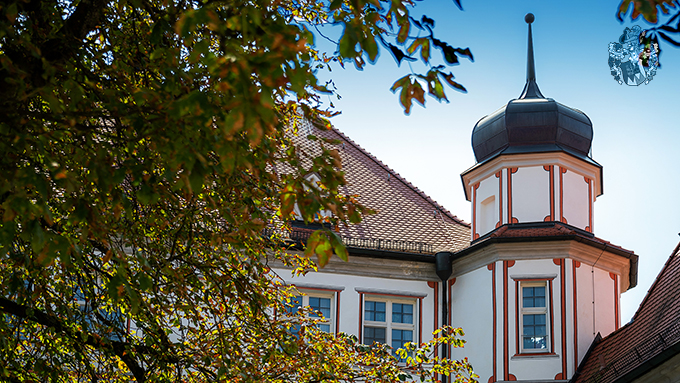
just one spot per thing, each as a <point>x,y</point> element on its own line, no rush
<point>389,321</point>
<point>534,315</point>
<point>487,215</point>
<point>105,321</point>
<point>320,217</point>
<point>322,305</point>
<point>319,302</point>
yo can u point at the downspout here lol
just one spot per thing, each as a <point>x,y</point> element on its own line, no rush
<point>444,271</point>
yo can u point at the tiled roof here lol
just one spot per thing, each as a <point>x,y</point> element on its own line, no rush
<point>549,231</point>
<point>404,212</point>
<point>652,337</point>
<point>509,231</point>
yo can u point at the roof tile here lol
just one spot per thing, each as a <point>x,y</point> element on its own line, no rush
<point>404,212</point>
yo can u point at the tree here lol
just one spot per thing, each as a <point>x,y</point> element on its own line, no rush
<point>141,145</point>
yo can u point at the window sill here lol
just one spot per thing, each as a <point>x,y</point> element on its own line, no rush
<point>534,355</point>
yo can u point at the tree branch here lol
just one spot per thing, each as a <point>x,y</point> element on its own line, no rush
<point>116,347</point>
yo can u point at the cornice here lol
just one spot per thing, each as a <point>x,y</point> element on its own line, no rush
<point>547,248</point>
<point>375,267</point>
<point>482,171</point>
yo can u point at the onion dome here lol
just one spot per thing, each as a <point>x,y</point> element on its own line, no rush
<point>532,123</point>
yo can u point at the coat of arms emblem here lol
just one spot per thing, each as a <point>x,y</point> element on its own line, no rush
<point>633,60</point>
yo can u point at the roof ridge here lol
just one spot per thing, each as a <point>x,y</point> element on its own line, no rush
<point>438,206</point>
<point>563,229</point>
<point>676,252</point>
<point>499,231</point>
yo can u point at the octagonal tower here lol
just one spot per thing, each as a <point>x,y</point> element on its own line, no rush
<point>533,163</point>
<point>536,286</point>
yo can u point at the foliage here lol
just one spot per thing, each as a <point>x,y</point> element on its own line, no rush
<point>651,10</point>
<point>323,357</point>
<point>145,146</point>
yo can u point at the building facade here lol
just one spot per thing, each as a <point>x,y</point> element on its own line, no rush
<point>527,279</point>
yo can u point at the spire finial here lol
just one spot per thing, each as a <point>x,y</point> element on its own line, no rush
<point>531,88</point>
<point>531,71</point>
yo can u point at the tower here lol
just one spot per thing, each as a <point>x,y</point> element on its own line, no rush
<point>536,286</point>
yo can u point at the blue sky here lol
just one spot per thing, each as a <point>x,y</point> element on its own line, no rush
<point>636,136</point>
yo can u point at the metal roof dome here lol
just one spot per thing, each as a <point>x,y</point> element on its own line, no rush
<point>532,123</point>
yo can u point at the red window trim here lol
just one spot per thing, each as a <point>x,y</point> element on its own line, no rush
<point>336,296</point>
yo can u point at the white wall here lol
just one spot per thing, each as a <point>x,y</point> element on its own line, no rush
<point>575,199</point>
<point>471,302</point>
<point>531,194</point>
<point>596,303</point>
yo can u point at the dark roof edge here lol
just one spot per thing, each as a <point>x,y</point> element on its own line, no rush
<point>561,149</point>
<point>487,240</point>
<point>381,254</point>
<point>650,364</point>
<point>300,243</point>
<point>387,254</point>
<point>598,339</point>
<point>402,180</point>
<point>557,148</point>
<point>656,281</point>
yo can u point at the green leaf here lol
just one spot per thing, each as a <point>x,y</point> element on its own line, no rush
<point>404,28</point>
<point>449,80</point>
<point>319,244</point>
<point>288,197</point>
<point>348,42</point>
<point>11,12</point>
<point>160,28</point>
<point>145,282</point>
<point>410,90</point>
<point>145,195</point>
<point>434,86</point>
<point>425,51</point>
<point>197,177</point>
<point>371,47</point>
<point>402,82</point>
<point>338,246</point>
<point>414,45</point>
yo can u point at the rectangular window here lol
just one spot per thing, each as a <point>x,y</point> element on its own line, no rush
<point>389,321</point>
<point>534,317</point>
<point>322,306</point>
<point>321,303</point>
<point>106,321</point>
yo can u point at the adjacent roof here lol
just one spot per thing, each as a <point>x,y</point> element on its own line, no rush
<point>650,339</point>
<point>407,219</point>
<point>549,231</point>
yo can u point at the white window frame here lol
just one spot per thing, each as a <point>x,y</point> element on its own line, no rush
<point>388,325</point>
<point>332,295</point>
<point>319,216</point>
<point>534,311</point>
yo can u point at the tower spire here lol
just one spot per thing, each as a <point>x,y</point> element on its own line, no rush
<point>531,88</point>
